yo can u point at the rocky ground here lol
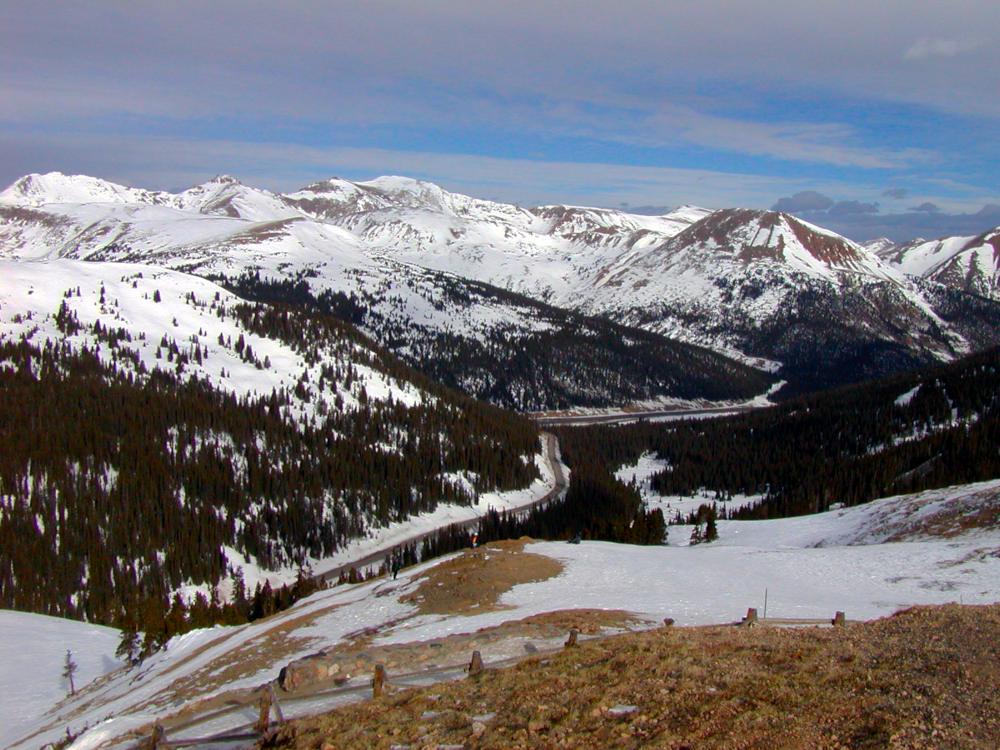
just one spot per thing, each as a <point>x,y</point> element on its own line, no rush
<point>925,678</point>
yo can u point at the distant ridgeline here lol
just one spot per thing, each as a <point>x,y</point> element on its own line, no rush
<point>909,432</point>
<point>567,359</point>
<point>119,482</point>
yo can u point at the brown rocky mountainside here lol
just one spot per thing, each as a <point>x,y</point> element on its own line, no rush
<point>925,678</point>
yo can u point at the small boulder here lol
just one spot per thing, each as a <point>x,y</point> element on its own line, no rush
<point>304,672</point>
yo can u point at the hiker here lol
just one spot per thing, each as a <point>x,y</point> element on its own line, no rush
<point>475,540</point>
<point>395,568</point>
<point>576,539</point>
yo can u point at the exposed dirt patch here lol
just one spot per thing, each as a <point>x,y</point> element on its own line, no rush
<point>272,646</point>
<point>959,516</point>
<point>925,678</point>
<point>474,582</point>
<point>587,621</point>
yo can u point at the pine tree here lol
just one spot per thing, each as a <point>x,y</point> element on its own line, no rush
<point>711,532</point>
<point>69,669</point>
<point>128,645</point>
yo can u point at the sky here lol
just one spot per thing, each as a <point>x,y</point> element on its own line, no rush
<point>874,117</point>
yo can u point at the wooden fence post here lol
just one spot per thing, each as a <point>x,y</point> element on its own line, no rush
<point>751,619</point>
<point>571,641</point>
<point>839,620</point>
<point>265,712</point>
<point>155,737</point>
<point>274,702</point>
<point>378,681</point>
<point>476,665</point>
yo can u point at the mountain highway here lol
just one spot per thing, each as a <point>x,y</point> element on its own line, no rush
<point>559,486</point>
<point>578,420</point>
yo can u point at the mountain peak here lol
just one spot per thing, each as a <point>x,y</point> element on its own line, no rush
<point>56,187</point>
<point>224,179</point>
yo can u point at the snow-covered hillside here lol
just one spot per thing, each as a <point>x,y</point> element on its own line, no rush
<point>83,304</point>
<point>461,332</point>
<point>868,561</point>
<point>32,661</point>
<point>971,264</point>
<point>750,284</point>
<point>160,431</point>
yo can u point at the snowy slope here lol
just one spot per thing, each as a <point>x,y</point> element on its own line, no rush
<point>971,264</point>
<point>736,273</point>
<point>154,306</point>
<point>750,284</point>
<point>810,566</point>
<point>32,658</point>
<point>543,252</point>
<point>460,332</point>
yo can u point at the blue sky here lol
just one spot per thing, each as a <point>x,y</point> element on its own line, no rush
<point>880,107</point>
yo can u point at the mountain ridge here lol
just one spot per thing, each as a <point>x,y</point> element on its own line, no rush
<point>757,285</point>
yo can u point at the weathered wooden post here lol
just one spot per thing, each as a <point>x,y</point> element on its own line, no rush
<point>274,702</point>
<point>571,641</point>
<point>476,665</point>
<point>839,620</point>
<point>156,737</point>
<point>750,620</point>
<point>265,712</point>
<point>378,681</point>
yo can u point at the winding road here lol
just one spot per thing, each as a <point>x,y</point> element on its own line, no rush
<point>559,486</point>
<point>638,416</point>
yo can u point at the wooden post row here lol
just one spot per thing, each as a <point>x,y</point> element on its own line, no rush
<point>751,619</point>
<point>571,641</point>
<point>839,620</point>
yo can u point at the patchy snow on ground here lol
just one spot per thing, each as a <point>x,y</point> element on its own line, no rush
<point>675,508</point>
<point>868,561</point>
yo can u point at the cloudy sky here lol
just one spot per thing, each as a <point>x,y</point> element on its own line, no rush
<point>870,117</point>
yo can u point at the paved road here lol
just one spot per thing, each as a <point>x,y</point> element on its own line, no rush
<point>636,416</point>
<point>376,558</point>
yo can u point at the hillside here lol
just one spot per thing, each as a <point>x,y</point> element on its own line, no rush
<point>492,344</point>
<point>863,686</point>
<point>919,430</point>
<point>161,433</point>
<point>506,599</point>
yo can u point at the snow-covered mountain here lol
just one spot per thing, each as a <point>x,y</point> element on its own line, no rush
<point>971,264</point>
<point>760,286</point>
<point>768,284</point>
<point>757,285</point>
<point>512,350</point>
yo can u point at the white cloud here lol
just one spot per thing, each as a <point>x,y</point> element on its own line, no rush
<point>168,163</point>
<point>941,48</point>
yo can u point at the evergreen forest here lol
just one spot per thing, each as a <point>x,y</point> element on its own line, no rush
<point>909,432</point>
<point>121,483</point>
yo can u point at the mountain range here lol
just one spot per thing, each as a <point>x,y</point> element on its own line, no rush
<point>503,302</point>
